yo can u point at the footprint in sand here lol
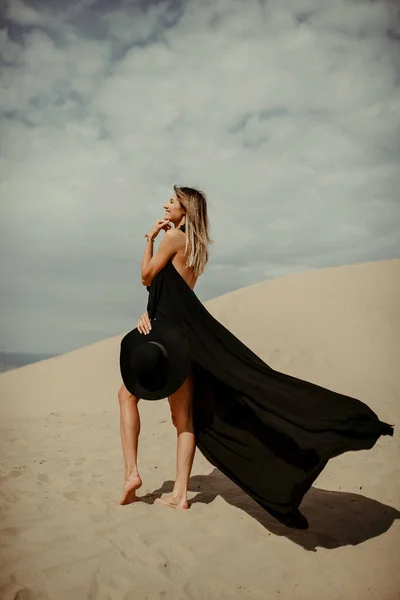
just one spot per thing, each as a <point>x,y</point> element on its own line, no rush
<point>73,496</point>
<point>11,497</point>
<point>10,531</point>
<point>16,472</point>
<point>15,591</point>
<point>43,478</point>
<point>100,518</point>
<point>76,476</point>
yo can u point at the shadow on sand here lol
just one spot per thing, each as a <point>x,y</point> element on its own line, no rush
<point>335,518</point>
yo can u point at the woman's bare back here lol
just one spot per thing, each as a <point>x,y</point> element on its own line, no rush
<point>179,262</point>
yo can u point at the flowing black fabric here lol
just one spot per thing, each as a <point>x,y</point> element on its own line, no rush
<point>269,432</point>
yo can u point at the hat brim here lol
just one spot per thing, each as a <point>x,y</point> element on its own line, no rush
<point>179,359</point>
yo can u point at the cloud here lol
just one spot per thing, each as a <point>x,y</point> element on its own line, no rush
<point>285,113</point>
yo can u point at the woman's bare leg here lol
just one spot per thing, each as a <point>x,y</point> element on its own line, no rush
<point>181,403</point>
<point>130,429</point>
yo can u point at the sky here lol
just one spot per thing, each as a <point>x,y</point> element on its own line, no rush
<point>284,112</point>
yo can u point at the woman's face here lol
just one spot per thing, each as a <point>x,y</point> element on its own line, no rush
<point>173,209</point>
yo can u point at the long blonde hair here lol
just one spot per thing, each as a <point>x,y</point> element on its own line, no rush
<point>197,227</point>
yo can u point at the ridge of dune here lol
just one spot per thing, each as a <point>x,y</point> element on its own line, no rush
<point>312,325</point>
<point>64,534</point>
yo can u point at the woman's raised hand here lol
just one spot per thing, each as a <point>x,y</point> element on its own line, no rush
<point>144,324</point>
<point>159,224</point>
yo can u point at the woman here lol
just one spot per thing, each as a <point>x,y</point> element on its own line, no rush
<point>189,253</point>
<point>271,433</point>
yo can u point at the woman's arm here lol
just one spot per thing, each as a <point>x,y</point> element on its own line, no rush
<point>148,254</point>
<point>169,246</point>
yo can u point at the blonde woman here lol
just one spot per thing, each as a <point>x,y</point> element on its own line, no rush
<point>187,248</point>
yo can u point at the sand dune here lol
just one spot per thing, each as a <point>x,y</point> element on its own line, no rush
<point>64,535</point>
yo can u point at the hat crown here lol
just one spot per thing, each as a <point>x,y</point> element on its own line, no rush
<point>150,362</point>
<point>149,355</point>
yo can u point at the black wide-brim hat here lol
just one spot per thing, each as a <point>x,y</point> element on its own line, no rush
<point>154,365</point>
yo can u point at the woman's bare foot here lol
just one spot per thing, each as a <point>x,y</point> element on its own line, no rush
<point>173,502</point>
<point>133,483</point>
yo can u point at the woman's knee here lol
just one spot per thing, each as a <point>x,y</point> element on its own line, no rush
<point>124,395</point>
<point>182,421</point>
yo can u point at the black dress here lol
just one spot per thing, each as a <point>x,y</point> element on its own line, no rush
<point>270,433</point>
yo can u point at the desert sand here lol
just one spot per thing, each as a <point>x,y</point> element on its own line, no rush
<point>64,535</point>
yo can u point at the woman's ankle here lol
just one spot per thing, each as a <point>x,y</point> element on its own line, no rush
<point>132,474</point>
<point>179,494</point>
